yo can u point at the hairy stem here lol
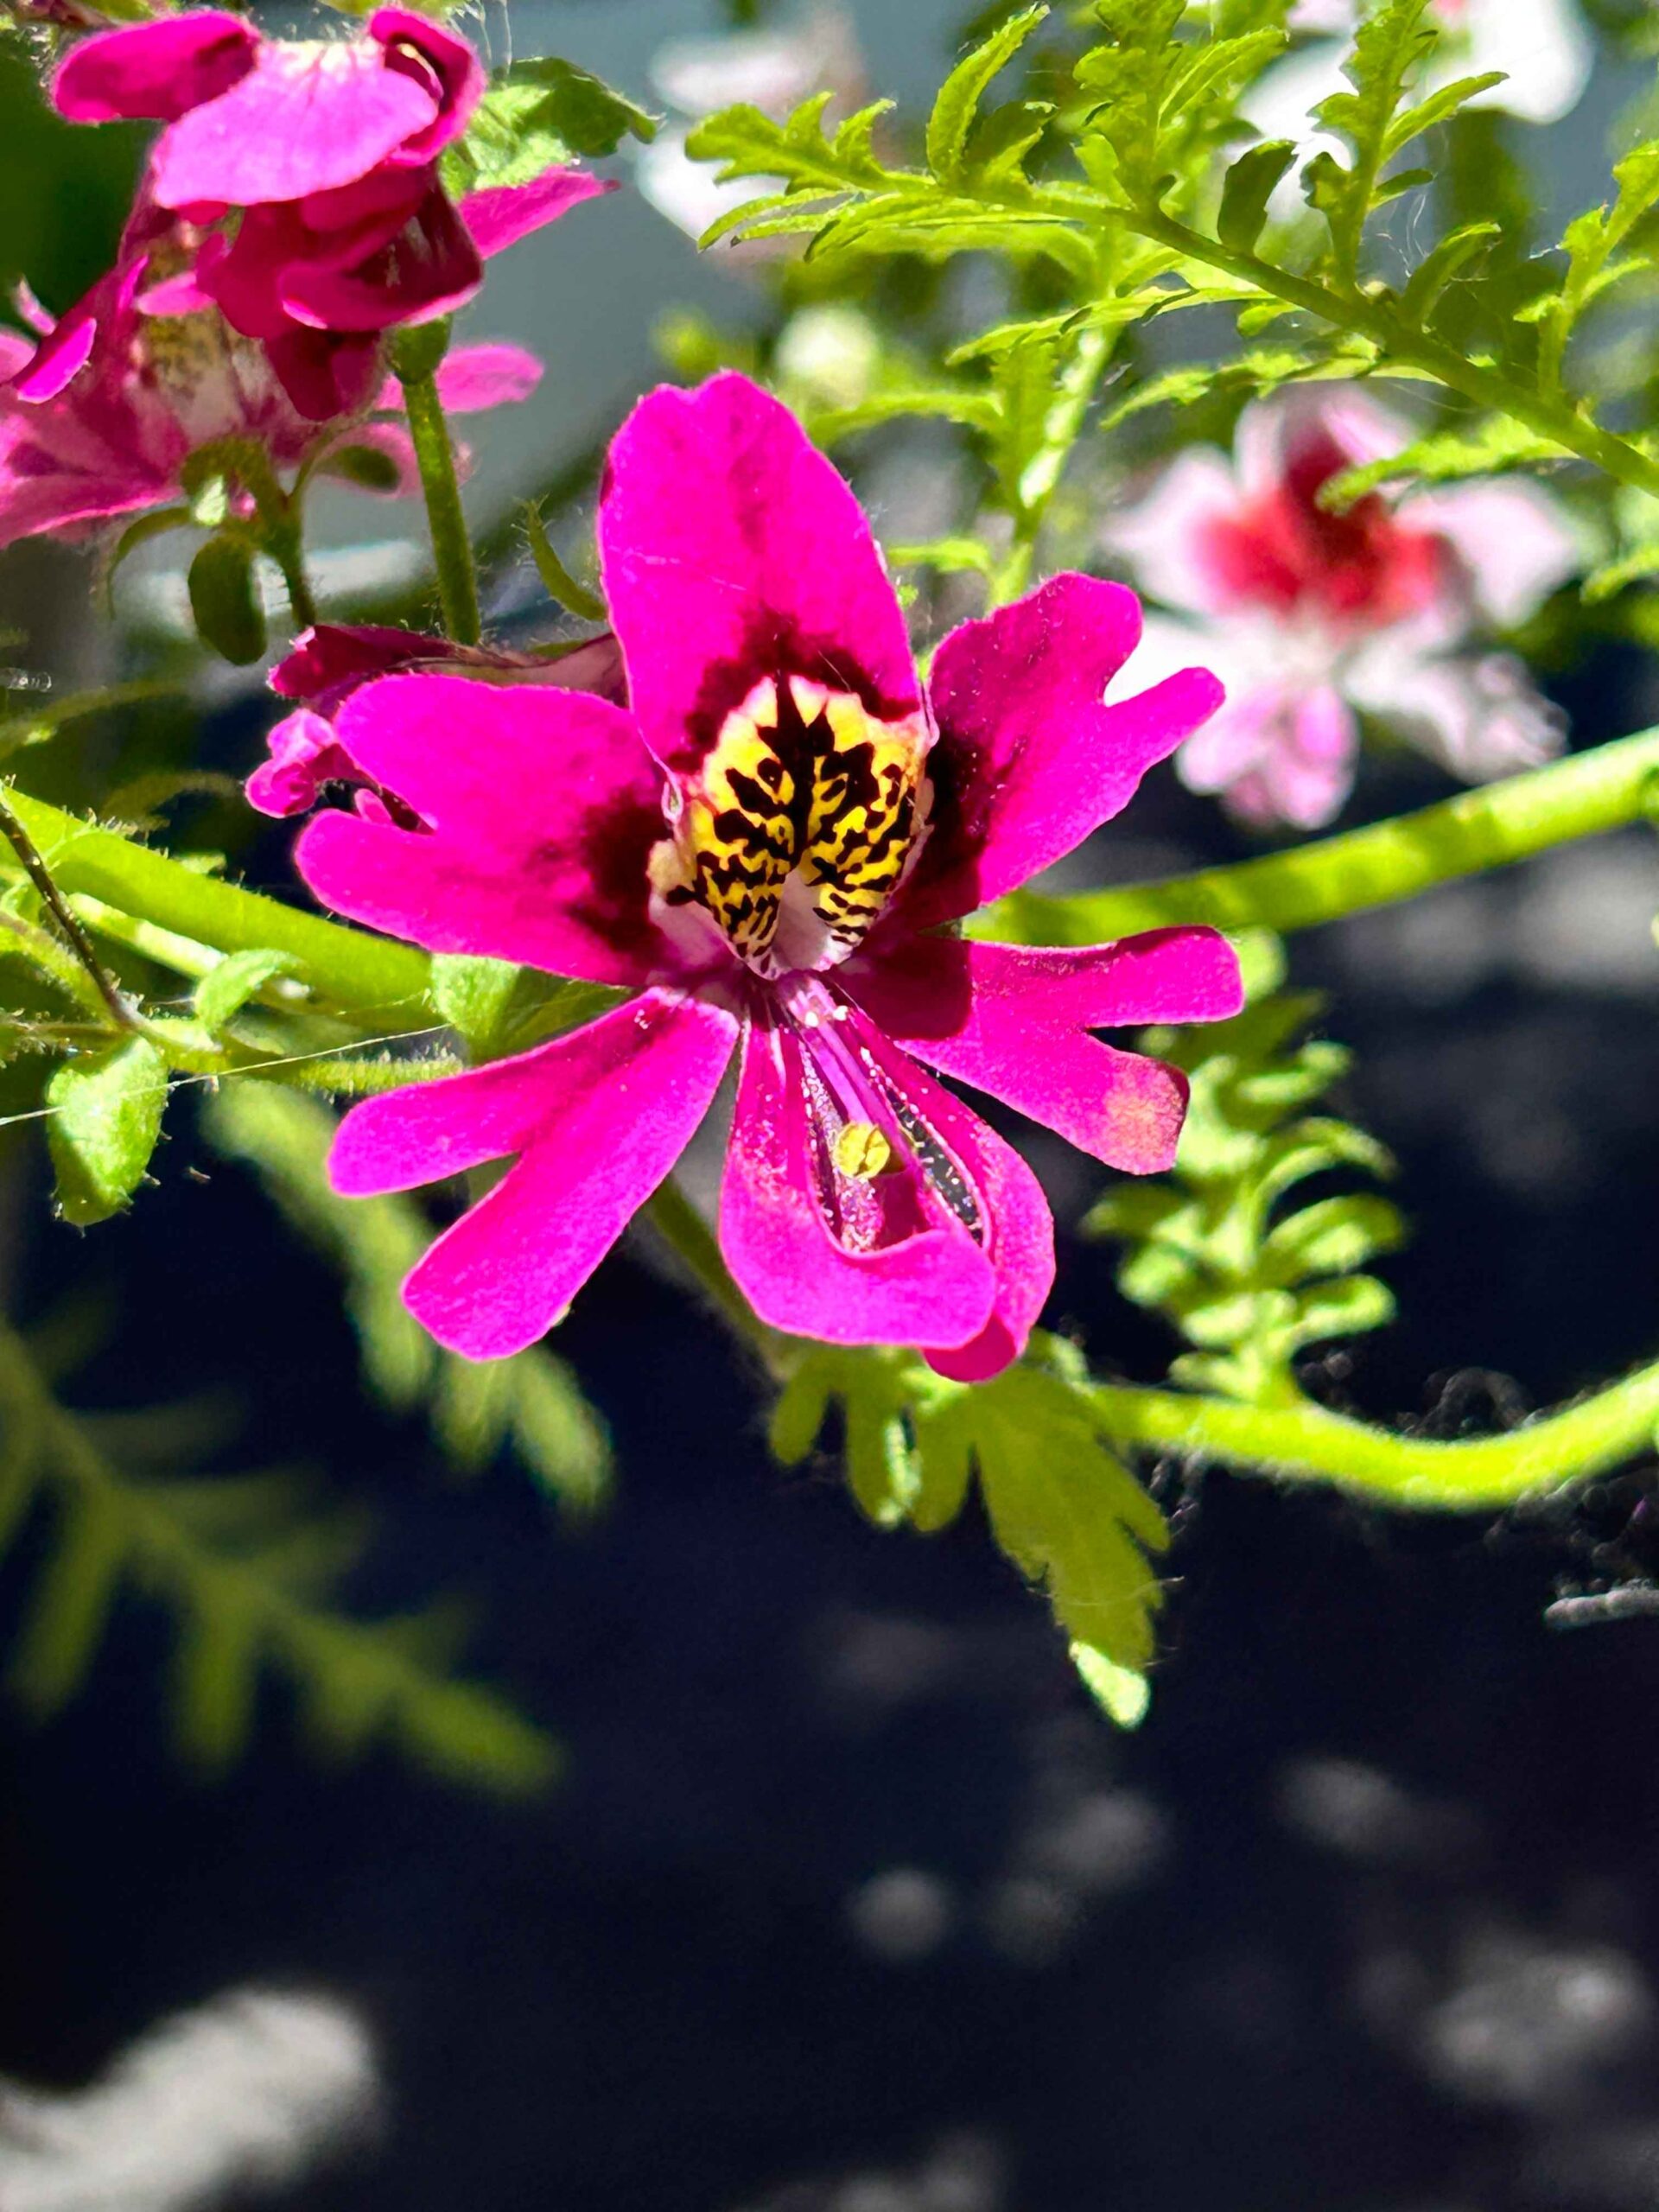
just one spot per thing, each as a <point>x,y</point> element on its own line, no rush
<point>1550,414</point>
<point>1305,1443</point>
<point>361,974</point>
<point>69,923</point>
<point>1490,827</point>
<point>452,547</point>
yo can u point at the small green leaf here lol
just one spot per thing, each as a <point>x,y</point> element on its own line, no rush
<point>106,1117</point>
<point>539,114</point>
<point>224,600</point>
<point>958,105</point>
<point>1249,187</point>
<point>472,993</point>
<point>225,991</point>
<point>1123,1692</point>
<point>366,467</point>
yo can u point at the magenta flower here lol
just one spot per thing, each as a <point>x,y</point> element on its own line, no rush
<point>310,170</point>
<point>1310,618</point>
<point>333,660</point>
<point>762,848</point>
<point>98,416</point>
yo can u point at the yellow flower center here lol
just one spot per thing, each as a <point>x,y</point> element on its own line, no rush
<point>795,831</point>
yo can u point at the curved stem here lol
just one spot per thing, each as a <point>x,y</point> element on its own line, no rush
<point>1305,1443</point>
<point>1488,827</point>
<point>452,549</point>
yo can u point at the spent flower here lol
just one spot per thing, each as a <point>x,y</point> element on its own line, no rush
<point>763,848</point>
<point>306,173</point>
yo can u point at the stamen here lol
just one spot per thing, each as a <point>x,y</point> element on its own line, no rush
<point>863,1152</point>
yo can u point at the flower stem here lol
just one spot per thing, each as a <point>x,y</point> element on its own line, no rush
<point>365,975</point>
<point>69,922</point>
<point>681,1227</point>
<point>1552,414</point>
<point>452,549</point>
<point>1305,1443</point>
<point>1493,827</point>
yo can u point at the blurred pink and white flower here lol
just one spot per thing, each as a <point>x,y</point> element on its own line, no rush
<point>1542,47</point>
<point>1311,618</point>
<point>774,69</point>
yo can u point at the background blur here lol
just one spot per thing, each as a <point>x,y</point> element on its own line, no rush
<point>847,1901</point>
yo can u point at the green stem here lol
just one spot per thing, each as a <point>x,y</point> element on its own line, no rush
<point>677,1222</point>
<point>52,898</point>
<point>452,547</point>
<point>374,978</point>
<point>1490,827</point>
<point>1551,416</point>
<point>1305,1443</point>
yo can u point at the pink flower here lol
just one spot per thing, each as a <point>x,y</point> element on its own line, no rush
<point>761,849</point>
<point>1309,616</point>
<point>310,170</point>
<point>98,417</point>
<point>333,660</point>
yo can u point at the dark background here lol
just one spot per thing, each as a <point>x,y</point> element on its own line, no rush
<point>847,1898</point>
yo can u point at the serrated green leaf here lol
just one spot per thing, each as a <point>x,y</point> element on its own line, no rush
<point>537,114</point>
<point>1333,1236</point>
<point>1440,107</point>
<point>1454,256</point>
<point>1248,187</point>
<point>106,1118</point>
<point>957,108</point>
<point>226,989</point>
<point>1499,445</point>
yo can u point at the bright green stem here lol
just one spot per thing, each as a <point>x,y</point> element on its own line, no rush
<point>1550,414</point>
<point>372,977</point>
<point>1306,1444</point>
<point>452,547</point>
<point>1393,860</point>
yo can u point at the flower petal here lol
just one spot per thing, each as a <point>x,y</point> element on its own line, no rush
<point>1019,1244</point>
<point>501,215</point>
<point>305,117</point>
<point>732,550</point>
<point>303,757</point>
<point>1029,760</point>
<point>158,70</point>
<point>422,50</point>
<point>472,377</point>
<point>1278,753</point>
<point>433,268</point>
<point>933,1287</point>
<point>1014,1022</point>
<point>599,1118</point>
<point>543,803</point>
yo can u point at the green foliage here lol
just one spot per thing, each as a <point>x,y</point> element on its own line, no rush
<point>1061,1503</point>
<point>251,1582</point>
<point>226,989</point>
<point>531,1403</point>
<point>1247,1277</point>
<point>473,995</point>
<point>224,600</point>
<point>536,113</point>
<point>107,1108</point>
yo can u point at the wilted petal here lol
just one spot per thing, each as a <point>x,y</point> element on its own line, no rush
<point>501,215</point>
<point>732,550</point>
<point>157,70</point>
<point>599,1118</point>
<point>1029,759</point>
<point>305,117</point>
<point>545,806</point>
